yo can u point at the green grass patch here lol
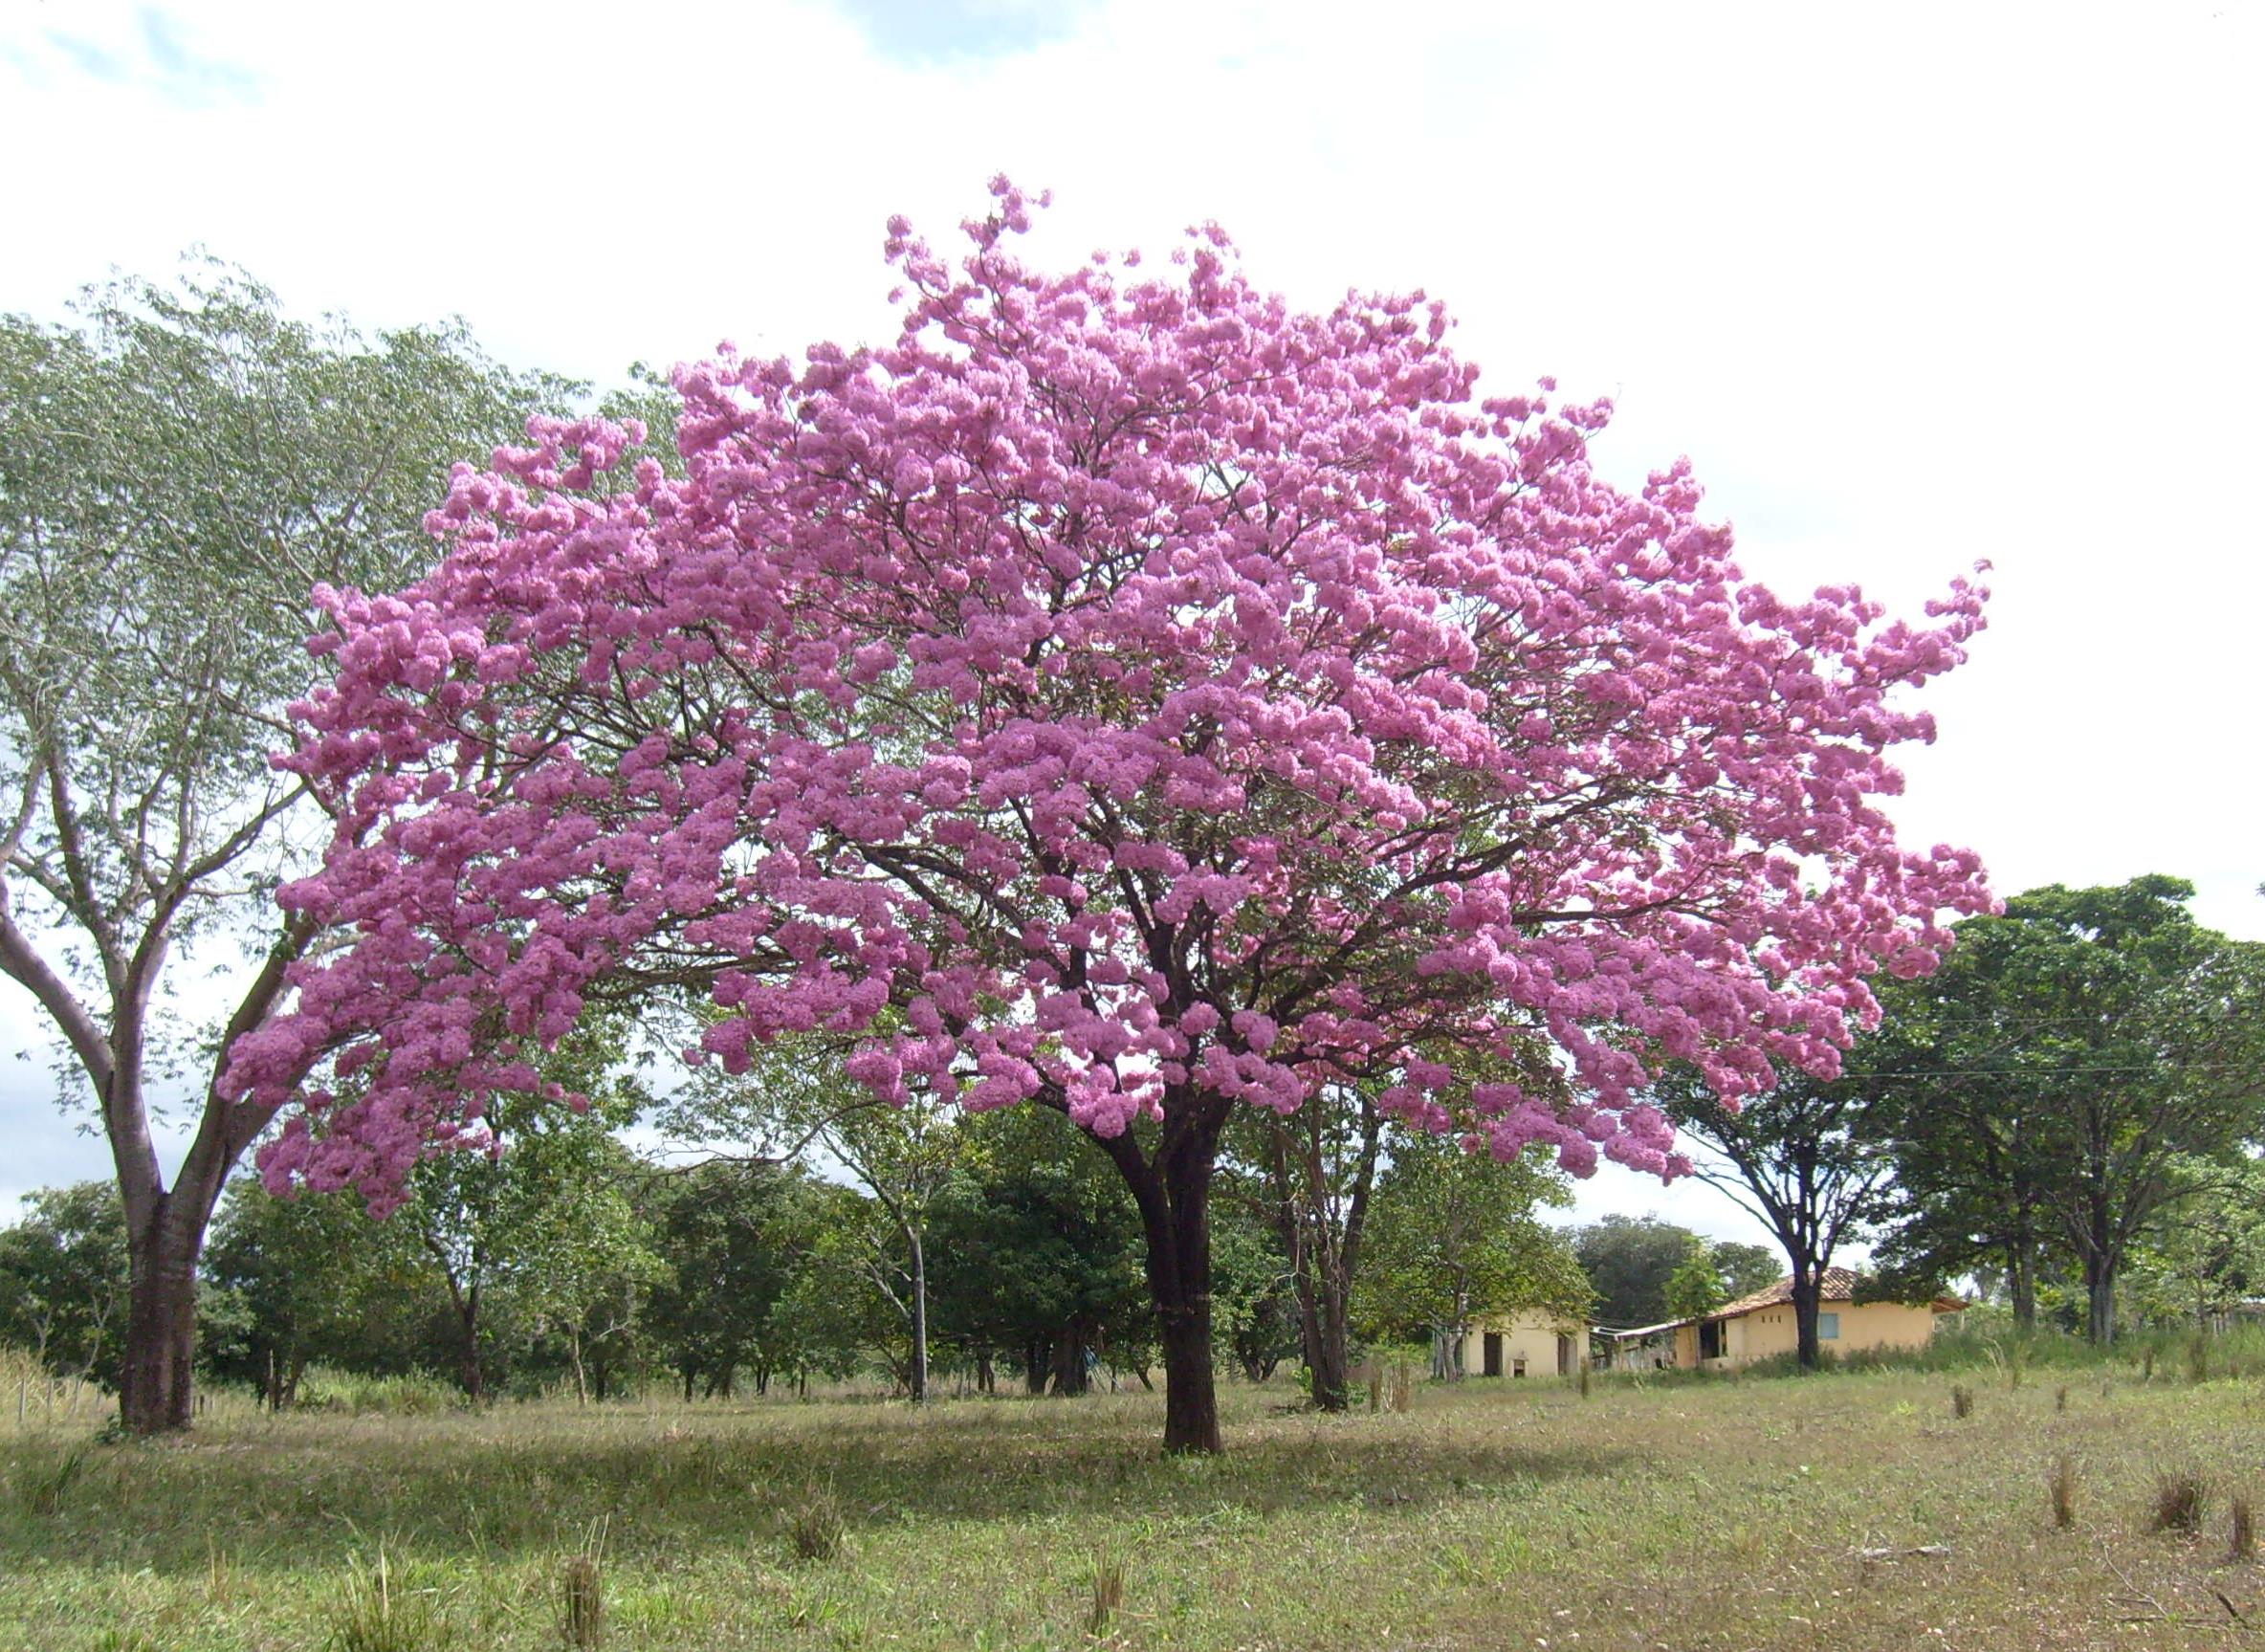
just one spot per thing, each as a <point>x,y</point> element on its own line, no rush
<point>1849,1512</point>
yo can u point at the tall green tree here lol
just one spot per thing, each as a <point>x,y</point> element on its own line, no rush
<point>733,1237</point>
<point>1805,1158</point>
<point>1038,1254</point>
<point>1696,1288</point>
<point>1629,1261</point>
<point>2098,1058</point>
<point>1745,1268</point>
<point>64,1279</point>
<point>309,1280</point>
<point>540,1230</point>
<point>178,468</point>
<point>902,1155</point>
<point>1313,1175</point>
<point>1455,1236</point>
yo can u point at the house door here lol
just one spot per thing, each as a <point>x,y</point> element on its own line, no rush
<point>1493,1346</point>
<point>1564,1355</point>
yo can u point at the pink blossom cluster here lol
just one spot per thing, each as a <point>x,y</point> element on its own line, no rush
<point>1121,691</point>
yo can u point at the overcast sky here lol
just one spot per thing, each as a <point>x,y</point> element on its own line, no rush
<point>1912,286</point>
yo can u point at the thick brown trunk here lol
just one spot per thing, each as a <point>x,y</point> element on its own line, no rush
<point>156,1383</point>
<point>2022,1285</point>
<point>1327,1355</point>
<point>467,1356</point>
<point>1179,1279</point>
<point>1174,1194</point>
<point>1805,1291</point>
<point>1069,1361</point>
<point>1190,1393</point>
<point>2100,1292</point>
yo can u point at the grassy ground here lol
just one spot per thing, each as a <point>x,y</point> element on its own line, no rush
<point>1719,1513</point>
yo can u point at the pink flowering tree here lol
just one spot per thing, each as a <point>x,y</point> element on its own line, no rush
<point>1120,692</point>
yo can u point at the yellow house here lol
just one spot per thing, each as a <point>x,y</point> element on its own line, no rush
<point>1531,1342</point>
<point>1759,1325</point>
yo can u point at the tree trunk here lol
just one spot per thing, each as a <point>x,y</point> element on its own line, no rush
<point>2021,1285</point>
<point>2099,1293</point>
<point>1069,1361</point>
<point>581,1386</point>
<point>468,1354</point>
<point>156,1386</point>
<point>1326,1355</point>
<point>1806,1289</point>
<point>1177,1220</point>
<point>1037,1361</point>
<point>919,1381</point>
<point>1174,1194</point>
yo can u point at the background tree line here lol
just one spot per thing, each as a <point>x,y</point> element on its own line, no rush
<point>566,1261</point>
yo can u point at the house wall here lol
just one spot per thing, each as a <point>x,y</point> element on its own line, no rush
<point>1770,1331</point>
<point>1531,1337</point>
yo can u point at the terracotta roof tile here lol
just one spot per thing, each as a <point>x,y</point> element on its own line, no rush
<point>1835,1284</point>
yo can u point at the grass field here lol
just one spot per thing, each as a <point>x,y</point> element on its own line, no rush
<point>1718,1513</point>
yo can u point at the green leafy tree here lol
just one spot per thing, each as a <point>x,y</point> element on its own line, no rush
<point>733,1237</point>
<point>177,470</point>
<point>64,1278</point>
<point>1696,1287</point>
<point>1745,1268</point>
<point>309,1280</point>
<point>903,1156</point>
<point>1257,1303</point>
<point>1805,1158</point>
<point>1313,1175</point>
<point>2208,1258</point>
<point>1038,1254</point>
<point>1629,1261</point>
<point>1455,1236</point>
<point>532,1236</point>
<point>844,1308</point>
<point>2094,1062</point>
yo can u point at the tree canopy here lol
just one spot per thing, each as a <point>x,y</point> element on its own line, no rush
<point>1121,692</point>
<point>177,471</point>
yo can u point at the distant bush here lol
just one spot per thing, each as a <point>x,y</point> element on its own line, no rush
<point>322,1389</point>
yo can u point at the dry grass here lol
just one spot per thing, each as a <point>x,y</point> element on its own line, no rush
<point>581,1601</point>
<point>1842,1512</point>
<point>1108,1592</point>
<point>814,1526</point>
<point>2061,1483</point>
<point>2180,1497</point>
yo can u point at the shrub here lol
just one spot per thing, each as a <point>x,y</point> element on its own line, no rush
<point>1962,1400</point>
<point>1108,1592</point>
<point>2178,1503</point>
<point>375,1613</point>
<point>581,1601</point>
<point>814,1526</point>
<point>2061,1482</point>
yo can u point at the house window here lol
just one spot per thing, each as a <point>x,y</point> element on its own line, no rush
<point>1517,1368</point>
<point>1828,1326</point>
